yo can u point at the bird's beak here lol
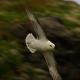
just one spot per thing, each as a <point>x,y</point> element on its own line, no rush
<point>53,45</point>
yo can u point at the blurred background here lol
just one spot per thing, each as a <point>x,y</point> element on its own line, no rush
<point>60,20</point>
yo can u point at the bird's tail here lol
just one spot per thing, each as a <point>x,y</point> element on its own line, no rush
<point>52,66</point>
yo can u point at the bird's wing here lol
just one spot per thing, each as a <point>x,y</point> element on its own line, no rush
<point>36,26</point>
<point>52,65</point>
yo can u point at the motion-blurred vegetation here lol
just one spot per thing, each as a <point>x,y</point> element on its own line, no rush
<point>15,60</point>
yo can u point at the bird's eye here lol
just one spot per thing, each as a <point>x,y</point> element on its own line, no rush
<point>51,45</point>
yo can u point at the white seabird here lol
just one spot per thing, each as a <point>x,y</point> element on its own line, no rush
<point>43,45</point>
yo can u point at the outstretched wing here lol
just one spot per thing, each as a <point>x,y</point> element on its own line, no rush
<point>36,26</point>
<point>52,65</point>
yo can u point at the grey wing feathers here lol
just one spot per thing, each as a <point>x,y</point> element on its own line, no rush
<point>52,65</point>
<point>36,25</point>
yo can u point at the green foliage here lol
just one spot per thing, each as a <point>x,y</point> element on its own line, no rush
<point>9,56</point>
<point>10,17</point>
<point>12,11</point>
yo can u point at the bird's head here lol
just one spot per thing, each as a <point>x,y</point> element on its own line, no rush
<point>51,46</point>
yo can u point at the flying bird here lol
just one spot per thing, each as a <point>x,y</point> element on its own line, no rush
<point>42,44</point>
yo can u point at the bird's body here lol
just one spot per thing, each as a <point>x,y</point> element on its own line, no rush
<point>38,45</point>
